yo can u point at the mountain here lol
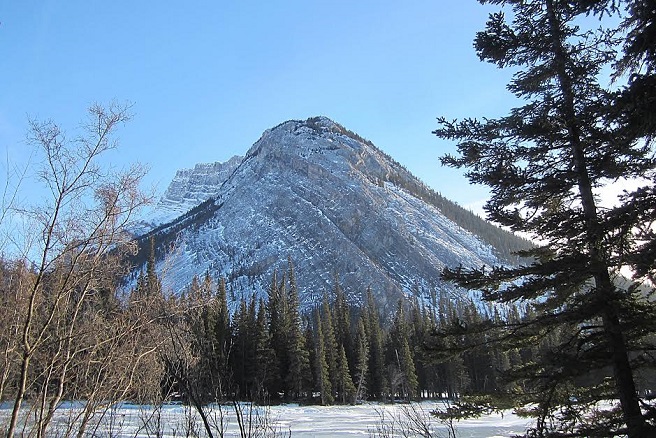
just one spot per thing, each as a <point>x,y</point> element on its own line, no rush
<point>320,195</point>
<point>191,187</point>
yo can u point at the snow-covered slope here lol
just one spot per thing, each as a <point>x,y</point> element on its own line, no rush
<point>324,197</point>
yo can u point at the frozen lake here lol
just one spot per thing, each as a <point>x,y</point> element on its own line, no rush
<point>363,420</point>
<point>283,421</point>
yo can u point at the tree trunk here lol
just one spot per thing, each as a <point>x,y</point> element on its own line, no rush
<point>18,400</point>
<point>605,289</point>
<point>623,373</point>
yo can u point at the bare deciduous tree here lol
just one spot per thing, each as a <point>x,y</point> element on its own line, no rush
<point>62,324</point>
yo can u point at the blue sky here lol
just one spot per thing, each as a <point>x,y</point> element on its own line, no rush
<point>207,78</point>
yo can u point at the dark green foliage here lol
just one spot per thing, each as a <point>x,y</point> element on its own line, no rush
<point>243,357</point>
<point>544,162</point>
<point>342,324</point>
<point>344,384</point>
<point>153,284</point>
<point>287,339</point>
<point>209,322</point>
<point>278,324</point>
<point>329,342</point>
<point>299,374</point>
<point>361,360</point>
<point>265,351</point>
<point>148,284</point>
<point>324,386</point>
<point>221,328</point>
<point>312,377</point>
<point>266,368</point>
<point>401,366</point>
<point>377,382</point>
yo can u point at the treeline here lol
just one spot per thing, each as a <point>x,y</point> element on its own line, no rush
<point>200,346</point>
<point>266,350</point>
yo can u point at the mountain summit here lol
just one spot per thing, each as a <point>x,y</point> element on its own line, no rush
<point>320,195</point>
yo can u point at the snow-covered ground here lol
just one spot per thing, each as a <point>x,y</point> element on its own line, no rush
<point>366,420</point>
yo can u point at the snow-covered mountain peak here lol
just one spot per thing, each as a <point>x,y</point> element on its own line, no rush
<point>318,147</point>
<point>325,197</point>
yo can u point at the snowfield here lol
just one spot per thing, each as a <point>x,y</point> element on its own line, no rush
<point>367,420</point>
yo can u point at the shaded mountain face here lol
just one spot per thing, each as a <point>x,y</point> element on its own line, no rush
<point>326,199</point>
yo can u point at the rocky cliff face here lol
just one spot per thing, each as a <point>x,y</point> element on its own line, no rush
<point>191,187</point>
<point>320,195</point>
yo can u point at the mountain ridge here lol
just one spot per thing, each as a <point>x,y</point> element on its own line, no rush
<point>339,207</point>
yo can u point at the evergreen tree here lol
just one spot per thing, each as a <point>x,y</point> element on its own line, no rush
<point>342,321</point>
<point>222,334</point>
<point>543,163</point>
<point>344,383</point>
<point>416,340</point>
<point>323,370</point>
<point>311,347</point>
<point>454,376</point>
<point>243,355</point>
<point>478,362</point>
<point>423,325</point>
<point>287,340</point>
<point>197,318</point>
<point>361,360</point>
<point>152,279</point>
<point>278,327</point>
<point>376,379</point>
<point>401,364</point>
<point>201,380</point>
<point>329,343</point>
<point>266,371</point>
<point>637,112</point>
<point>148,284</point>
<point>298,374</point>
<point>251,353</point>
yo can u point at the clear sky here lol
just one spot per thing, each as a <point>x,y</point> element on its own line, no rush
<point>207,78</point>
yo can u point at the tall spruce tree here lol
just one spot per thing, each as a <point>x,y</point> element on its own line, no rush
<point>330,346</point>
<point>344,384</point>
<point>299,374</point>
<point>242,357</point>
<point>222,333</point>
<point>342,322</point>
<point>154,284</point>
<point>403,378</point>
<point>324,386</point>
<point>266,370</point>
<point>376,379</point>
<point>278,326</point>
<point>361,360</point>
<point>311,348</point>
<point>544,163</point>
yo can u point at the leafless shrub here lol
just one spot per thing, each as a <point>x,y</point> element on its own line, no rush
<point>408,420</point>
<point>64,332</point>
